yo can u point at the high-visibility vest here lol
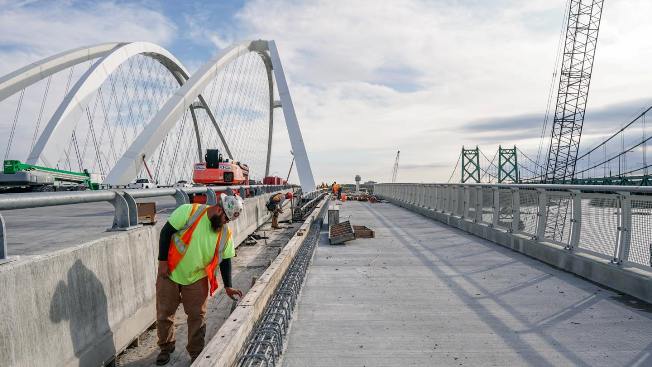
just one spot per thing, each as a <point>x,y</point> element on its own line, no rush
<point>181,241</point>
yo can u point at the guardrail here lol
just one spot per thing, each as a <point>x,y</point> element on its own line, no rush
<point>124,202</point>
<point>611,222</point>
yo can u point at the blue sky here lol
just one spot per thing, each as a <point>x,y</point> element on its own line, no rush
<point>423,76</point>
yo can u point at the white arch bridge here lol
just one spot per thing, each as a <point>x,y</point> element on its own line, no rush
<point>118,109</point>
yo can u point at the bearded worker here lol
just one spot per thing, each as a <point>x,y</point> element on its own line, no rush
<point>193,242</point>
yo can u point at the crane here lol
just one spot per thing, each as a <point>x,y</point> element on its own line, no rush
<point>572,94</point>
<point>573,91</point>
<point>395,168</point>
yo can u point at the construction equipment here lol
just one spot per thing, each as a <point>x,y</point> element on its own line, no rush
<point>219,171</point>
<point>395,168</point>
<point>19,176</point>
<point>576,68</point>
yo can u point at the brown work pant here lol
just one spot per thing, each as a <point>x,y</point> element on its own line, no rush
<point>194,298</point>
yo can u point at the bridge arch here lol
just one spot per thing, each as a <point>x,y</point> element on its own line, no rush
<point>52,141</point>
<point>144,146</point>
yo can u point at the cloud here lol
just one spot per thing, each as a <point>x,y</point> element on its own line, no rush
<point>31,31</point>
<point>599,121</point>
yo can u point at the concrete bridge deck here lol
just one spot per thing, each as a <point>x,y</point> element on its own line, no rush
<point>423,293</point>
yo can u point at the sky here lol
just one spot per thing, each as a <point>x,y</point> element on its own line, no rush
<point>370,77</point>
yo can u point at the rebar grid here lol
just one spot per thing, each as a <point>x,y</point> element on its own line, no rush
<point>265,343</point>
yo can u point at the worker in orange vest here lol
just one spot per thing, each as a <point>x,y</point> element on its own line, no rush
<point>275,206</point>
<point>193,243</point>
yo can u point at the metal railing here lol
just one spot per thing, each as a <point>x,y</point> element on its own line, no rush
<point>125,215</point>
<point>611,222</point>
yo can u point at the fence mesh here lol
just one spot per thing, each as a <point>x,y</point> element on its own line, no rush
<point>558,220</point>
<point>487,205</point>
<point>599,231</point>
<point>641,240</point>
<point>529,208</point>
<point>473,200</point>
<point>505,213</point>
<point>459,205</point>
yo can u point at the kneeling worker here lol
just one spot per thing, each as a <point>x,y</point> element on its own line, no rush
<point>193,242</point>
<point>275,205</point>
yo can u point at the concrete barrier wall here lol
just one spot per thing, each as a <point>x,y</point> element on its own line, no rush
<point>79,306</point>
<point>630,280</point>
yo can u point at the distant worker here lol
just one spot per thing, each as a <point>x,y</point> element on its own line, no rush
<point>337,190</point>
<point>193,242</point>
<point>275,205</point>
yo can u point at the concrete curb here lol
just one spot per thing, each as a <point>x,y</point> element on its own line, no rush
<point>225,346</point>
<point>633,281</point>
<point>84,304</point>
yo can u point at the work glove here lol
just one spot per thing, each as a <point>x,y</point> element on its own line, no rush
<point>232,292</point>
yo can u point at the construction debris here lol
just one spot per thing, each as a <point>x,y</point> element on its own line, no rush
<point>341,232</point>
<point>363,232</point>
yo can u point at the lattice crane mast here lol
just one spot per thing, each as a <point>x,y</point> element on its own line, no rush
<point>395,168</point>
<point>576,67</point>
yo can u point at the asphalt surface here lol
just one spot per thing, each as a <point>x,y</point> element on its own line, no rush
<point>422,293</point>
<point>39,231</point>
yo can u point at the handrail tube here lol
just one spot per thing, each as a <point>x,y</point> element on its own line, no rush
<point>123,201</point>
<point>35,200</point>
<point>565,187</point>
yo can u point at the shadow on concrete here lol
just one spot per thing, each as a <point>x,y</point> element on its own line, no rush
<point>82,302</point>
<point>494,322</point>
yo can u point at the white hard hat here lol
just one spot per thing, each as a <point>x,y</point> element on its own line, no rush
<point>232,205</point>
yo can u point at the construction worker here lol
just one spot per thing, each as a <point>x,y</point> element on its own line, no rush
<point>334,188</point>
<point>193,242</point>
<point>275,205</point>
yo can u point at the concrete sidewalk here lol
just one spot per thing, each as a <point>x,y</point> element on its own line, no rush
<point>422,293</point>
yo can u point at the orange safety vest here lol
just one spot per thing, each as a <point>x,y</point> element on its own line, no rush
<point>181,241</point>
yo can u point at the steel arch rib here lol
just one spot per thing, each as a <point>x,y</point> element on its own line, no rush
<point>50,143</point>
<point>148,140</point>
<point>32,73</point>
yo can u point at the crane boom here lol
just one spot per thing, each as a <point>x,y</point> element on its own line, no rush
<point>574,81</point>
<point>395,168</point>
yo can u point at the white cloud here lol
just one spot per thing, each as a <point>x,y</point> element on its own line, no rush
<point>30,32</point>
<point>368,77</point>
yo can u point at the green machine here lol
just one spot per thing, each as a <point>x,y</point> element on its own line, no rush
<point>19,176</point>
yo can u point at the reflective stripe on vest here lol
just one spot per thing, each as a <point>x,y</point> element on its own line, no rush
<point>181,239</point>
<point>222,239</point>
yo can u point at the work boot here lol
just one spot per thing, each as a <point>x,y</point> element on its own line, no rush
<point>163,357</point>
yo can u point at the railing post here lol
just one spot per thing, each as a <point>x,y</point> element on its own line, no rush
<point>576,220</point>
<point>467,198</point>
<point>211,198</point>
<point>121,219</point>
<point>3,240</point>
<point>542,214</point>
<point>624,227</point>
<point>478,205</point>
<point>516,210</point>
<point>181,197</point>
<point>453,201</point>
<point>495,207</point>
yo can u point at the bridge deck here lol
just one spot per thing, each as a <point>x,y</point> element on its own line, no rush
<point>423,293</point>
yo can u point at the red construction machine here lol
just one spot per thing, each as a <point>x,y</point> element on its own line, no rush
<point>217,171</point>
